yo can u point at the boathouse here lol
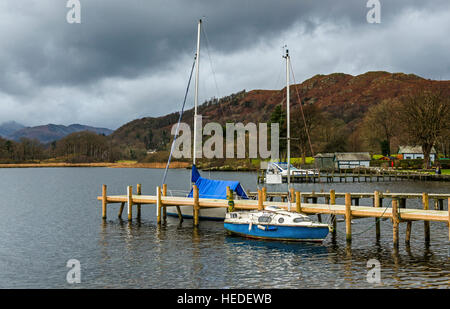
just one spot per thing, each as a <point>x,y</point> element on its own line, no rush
<point>343,160</point>
<point>415,152</point>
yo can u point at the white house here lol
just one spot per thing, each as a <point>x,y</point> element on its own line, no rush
<point>415,152</point>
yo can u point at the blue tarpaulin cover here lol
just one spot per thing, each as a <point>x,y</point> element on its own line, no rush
<point>210,188</point>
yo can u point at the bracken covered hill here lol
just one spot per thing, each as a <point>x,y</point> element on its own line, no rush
<point>341,95</point>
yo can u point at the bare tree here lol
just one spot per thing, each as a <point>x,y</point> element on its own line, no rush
<point>425,114</point>
<point>302,127</point>
<point>381,123</point>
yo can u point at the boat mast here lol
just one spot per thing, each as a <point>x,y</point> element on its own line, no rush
<point>197,64</point>
<point>288,133</point>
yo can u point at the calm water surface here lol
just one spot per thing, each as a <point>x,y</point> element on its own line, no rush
<point>51,215</point>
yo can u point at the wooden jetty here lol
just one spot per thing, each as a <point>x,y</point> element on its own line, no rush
<point>398,213</point>
<point>360,175</point>
<point>438,198</point>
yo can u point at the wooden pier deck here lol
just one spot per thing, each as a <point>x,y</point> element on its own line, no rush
<point>397,211</point>
<point>359,176</point>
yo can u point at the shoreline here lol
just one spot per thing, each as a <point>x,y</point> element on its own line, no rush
<point>104,164</point>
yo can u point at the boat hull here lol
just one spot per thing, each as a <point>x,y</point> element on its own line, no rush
<point>277,232</point>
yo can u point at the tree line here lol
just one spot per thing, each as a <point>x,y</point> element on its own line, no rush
<point>79,147</point>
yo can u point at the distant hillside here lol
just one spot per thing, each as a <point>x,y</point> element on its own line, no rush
<point>342,96</point>
<point>52,132</point>
<point>8,128</point>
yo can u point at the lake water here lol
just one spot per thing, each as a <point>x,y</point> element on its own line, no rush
<point>51,215</point>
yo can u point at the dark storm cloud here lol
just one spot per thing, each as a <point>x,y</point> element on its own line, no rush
<point>129,55</point>
<point>127,38</point>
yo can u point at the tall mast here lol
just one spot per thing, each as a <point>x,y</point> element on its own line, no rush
<point>197,64</point>
<point>288,133</point>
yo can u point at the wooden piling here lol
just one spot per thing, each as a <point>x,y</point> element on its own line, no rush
<point>426,224</point>
<point>314,201</point>
<point>402,203</point>
<point>332,201</point>
<point>395,221</point>
<point>260,201</point>
<point>104,201</point>
<point>348,216</point>
<point>130,202</point>
<point>408,232</point>
<point>138,206</point>
<point>298,202</point>
<point>164,210</point>
<point>377,203</point>
<point>264,194</point>
<point>305,199</point>
<point>292,195</point>
<point>332,197</point>
<point>122,206</point>
<point>158,205</point>
<point>196,205</point>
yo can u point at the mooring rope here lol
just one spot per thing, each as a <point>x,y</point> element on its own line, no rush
<point>178,124</point>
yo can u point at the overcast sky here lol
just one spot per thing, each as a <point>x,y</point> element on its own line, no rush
<point>131,59</point>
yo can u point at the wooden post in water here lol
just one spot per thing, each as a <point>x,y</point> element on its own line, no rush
<point>138,207</point>
<point>164,210</point>
<point>395,221</point>
<point>158,205</point>
<point>436,204</point>
<point>448,209</point>
<point>264,194</point>
<point>260,200</point>
<point>196,205</point>
<point>408,232</point>
<point>426,224</point>
<point>122,206</point>
<point>298,202</point>
<point>292,195</point>
<point>305,199</point>
<point>377,203</point>
<point>348,217</point>
<point>130,202</point>
<point>104,201</point>
<point>332,197</point>
<point>314,201</point>
<point>332,201</point>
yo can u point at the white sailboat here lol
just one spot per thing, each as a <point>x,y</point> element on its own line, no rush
<point>208,188</point>
<point>273,223</point>
<point>280,172</point>
<point>276,172</point>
